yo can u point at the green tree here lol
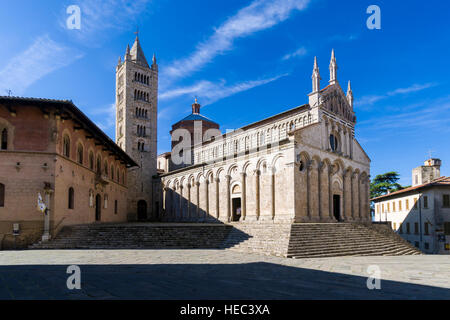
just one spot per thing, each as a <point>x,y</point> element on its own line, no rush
<point>384,183</point>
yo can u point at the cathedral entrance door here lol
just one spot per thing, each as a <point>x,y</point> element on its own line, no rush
<point>98,208</point>
<point>337,207</point>
<point>236,209</point>
<point>142,210</point>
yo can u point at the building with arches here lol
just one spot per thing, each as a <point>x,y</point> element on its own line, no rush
<point>303,165</point>
<point>49,147</point>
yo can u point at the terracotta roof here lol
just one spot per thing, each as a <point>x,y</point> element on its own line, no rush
<point>67,106</point>
<point>442,181</point>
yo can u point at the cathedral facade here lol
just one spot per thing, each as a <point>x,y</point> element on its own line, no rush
<point>302,165</point>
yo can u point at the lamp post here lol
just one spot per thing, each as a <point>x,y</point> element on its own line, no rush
<point>48,192</point>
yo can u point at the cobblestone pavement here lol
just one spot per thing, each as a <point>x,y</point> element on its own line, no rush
<point>216,274</point>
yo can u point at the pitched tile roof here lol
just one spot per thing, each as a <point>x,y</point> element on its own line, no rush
<point>442,181</point>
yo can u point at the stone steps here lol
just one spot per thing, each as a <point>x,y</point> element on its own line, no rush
<point>344,239</point>
<point>139,236</point>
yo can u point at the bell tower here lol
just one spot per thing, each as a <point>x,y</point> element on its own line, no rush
<point>136,127</point>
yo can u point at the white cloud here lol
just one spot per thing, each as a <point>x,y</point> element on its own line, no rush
<point>259,15</point>
<point>211,92</point>
<point>300,52</point>
<point>41,58</point>
<point>107,115</point>
<point>371,99</point>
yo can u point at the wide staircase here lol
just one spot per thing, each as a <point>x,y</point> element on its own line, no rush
<point>345,239</point>
<point>139,236</point>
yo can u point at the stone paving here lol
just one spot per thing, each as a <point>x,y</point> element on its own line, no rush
<point>217,274</point>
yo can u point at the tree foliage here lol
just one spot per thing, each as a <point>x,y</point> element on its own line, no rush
<point>384,183</point>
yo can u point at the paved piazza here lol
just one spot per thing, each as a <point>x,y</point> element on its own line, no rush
<point>216,274</point>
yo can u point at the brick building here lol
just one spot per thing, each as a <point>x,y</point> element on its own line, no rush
<point>49,147</point>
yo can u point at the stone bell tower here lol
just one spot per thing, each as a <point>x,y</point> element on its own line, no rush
<point>136,127</point>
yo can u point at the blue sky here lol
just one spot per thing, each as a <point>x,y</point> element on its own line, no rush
<point>246,60</point>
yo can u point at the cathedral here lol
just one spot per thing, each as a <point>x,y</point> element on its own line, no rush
<point>302,165</point>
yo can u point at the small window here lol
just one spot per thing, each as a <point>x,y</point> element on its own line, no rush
<point>112,172</point>
<point>427,231</point>
<point>416,228</point>
<point>99,165</point>
<point>400,229</point>
<point>427,246</point>
<point>115,207</point>
<point>446,200</point>
<point>71,198</point>
<point>105,170</point>
<point>105,201</point>
<point>407,204</point>
<point>408,230</point>
<point>66,146</point>
<point>425,202</point>
<point>4,140</point>
<point>416,244</point>
<point>2,195</point>
<point>91,198</point>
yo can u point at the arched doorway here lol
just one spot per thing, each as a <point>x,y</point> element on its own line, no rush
<point>337,207</point>
<point>236,205</point>
<point>98,207</point>
<point>142,210</point>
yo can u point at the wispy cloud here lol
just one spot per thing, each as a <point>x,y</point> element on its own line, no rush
<point>372,99</point>
<point>344,37</point>
<point>211,92</point>
<point>41,58</point>
<point>107,116</point>
<point>100,16</point>
<point>300,52</point>
<point>259,15</point>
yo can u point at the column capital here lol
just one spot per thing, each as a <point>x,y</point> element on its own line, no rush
<point>197,184</point>
<point>243,174</point>
<point>257,172</point>
<point>228,177</point>
<point>217,179</point>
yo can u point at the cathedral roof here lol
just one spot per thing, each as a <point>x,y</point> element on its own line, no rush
<point>137,54</point>
<point>197,116</point>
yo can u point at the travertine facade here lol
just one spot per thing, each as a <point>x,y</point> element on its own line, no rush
<point>136,127</point>
<point>303,165</point>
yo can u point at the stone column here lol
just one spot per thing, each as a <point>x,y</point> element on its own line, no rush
<point>244,196</point>
<point>189,202</point>
<point>258,195</point>
<point>206,198</point>
<point>181,202</point>
<point>217,198</point>
<point>319,174</point>
<point>352,191</point>
<point>272,189</point>
<point>308,190</point>
<point>330,194</point>
<point>359,198</point>
<point>350,139</point>
<point>344,142</point>
<point>198,200</point>
<point>327,138</point>
<point>344,194</point>
<point>228,177</point>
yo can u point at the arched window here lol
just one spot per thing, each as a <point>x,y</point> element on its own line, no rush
<point>115,207</point>
<point>334,143</point>
<point>139,146</point>
<point>112,172</point>
<point>80,154</point>
<point>99,165</point>
<point>2,195</point>
<point>105,201</point>
<point>123,177</point>
<point>66,146</point>
<point>91,160</point>
<point>106,168</point>
<point>4,140</point>
<point>142,146</point>
<point>118,175</point>
<point>71,198</point>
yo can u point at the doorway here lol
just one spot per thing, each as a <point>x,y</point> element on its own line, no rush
<point>98,208</point>
<point>142,210</point>
<point>236,206</point>
<point>337,207</point>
